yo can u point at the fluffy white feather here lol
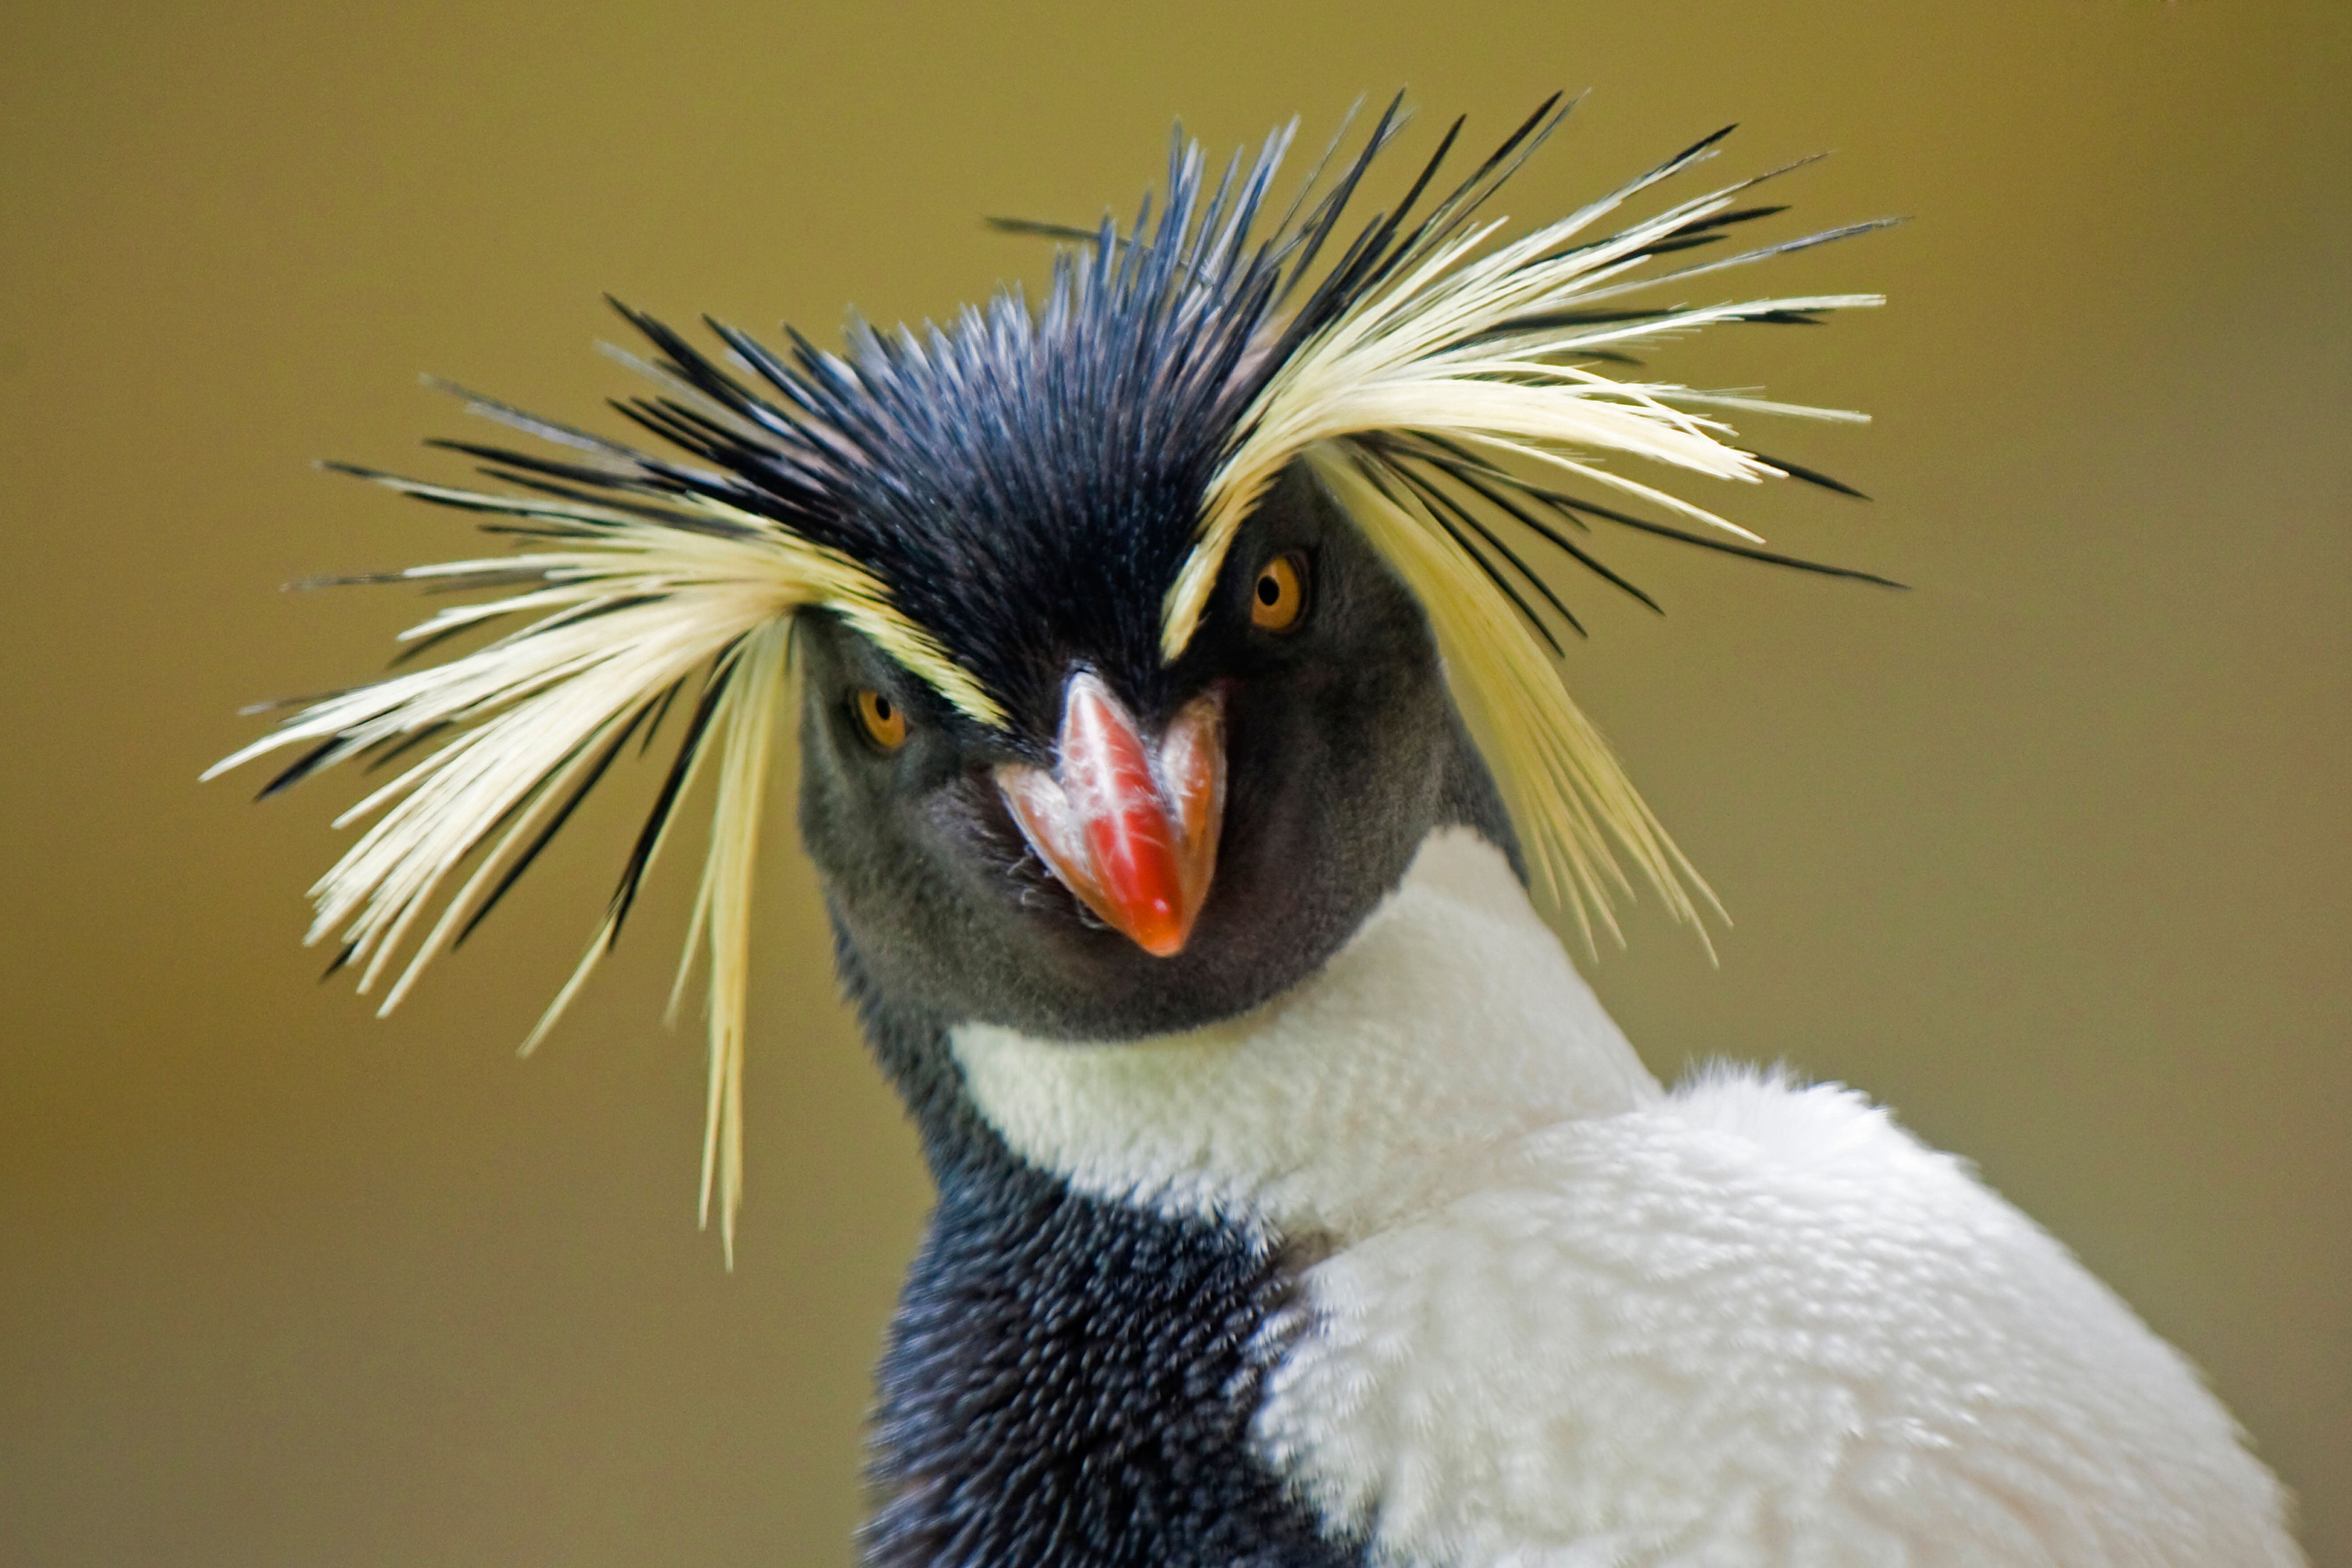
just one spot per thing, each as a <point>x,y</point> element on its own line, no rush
<point>1753,1324</point>
<point>1452,1020</point>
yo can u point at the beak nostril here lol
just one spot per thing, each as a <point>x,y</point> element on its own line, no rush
<point>1042,812</point>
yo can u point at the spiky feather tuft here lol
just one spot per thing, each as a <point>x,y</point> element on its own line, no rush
<point>630,603</point>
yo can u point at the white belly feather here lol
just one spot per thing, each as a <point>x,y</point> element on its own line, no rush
<point>1572,1320</point>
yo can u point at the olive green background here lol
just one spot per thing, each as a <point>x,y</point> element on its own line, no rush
<point>2049,853</point>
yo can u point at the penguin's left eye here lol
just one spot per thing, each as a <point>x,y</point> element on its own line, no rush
<point>1278,597</point>
<point>883,721</point>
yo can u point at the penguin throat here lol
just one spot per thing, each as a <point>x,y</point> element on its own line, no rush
<point>1386,1082</point>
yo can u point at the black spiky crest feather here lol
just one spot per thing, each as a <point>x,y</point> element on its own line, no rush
<point>1121,432</point>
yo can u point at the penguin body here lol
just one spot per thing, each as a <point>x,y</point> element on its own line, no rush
<point>1550,1312</point>
<point>1414,1261</point>
<point>1298,1204</point>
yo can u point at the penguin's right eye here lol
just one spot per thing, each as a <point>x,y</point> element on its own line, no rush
<point>1278,597</point>
<point>882,721</point>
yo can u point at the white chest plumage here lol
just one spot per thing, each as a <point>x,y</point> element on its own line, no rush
<point>1569,1319</point>
<point>1452,1023</point>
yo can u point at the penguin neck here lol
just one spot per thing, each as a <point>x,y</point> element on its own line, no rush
<point>1389,1081</point>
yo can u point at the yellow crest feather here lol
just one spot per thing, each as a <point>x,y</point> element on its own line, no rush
<point>1457,356</point>
<point>626,610</point>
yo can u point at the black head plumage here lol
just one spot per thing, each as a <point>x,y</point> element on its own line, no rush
<point>1026,482</point>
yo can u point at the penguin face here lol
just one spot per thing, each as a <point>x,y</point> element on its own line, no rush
<point>1314,677</point>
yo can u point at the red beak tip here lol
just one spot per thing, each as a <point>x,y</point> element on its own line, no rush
<point>1165,943</point>
<point>1156,926</point>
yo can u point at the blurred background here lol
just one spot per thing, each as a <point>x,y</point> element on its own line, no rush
<point>2049,853</point>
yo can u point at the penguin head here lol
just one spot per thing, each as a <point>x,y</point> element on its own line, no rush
<point>1143,847</point>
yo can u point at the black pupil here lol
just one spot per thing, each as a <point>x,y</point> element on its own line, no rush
<point>1269,590</point>
<point>882,708</point>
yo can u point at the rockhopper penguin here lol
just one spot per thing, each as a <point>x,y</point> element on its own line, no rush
<point>1298,1204</point>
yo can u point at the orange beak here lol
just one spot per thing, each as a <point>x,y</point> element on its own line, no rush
<point>1128,826</point>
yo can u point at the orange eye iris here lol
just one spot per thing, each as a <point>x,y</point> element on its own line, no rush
<point>1278,598</point>
<point>884,721</point>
